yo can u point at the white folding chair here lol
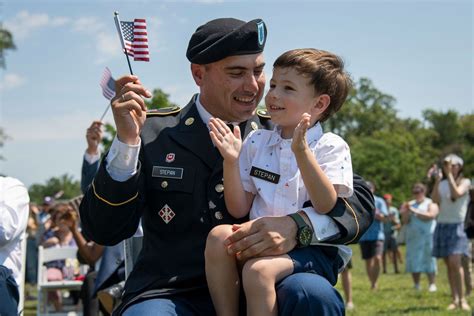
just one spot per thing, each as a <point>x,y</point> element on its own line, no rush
<point>47,255</point>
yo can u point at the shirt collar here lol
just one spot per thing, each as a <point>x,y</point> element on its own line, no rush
<point>313,134</point>
<point>204,114</point>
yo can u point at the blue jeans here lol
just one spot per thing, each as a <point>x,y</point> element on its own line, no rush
<point>299,294</point>
<point>9,295</point>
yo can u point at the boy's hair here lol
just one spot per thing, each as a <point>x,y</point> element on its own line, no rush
<point>325,71</point>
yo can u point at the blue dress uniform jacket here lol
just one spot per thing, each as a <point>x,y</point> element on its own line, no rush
<point>178,193</point>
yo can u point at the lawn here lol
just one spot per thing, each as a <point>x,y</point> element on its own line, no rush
<point>395,295</point>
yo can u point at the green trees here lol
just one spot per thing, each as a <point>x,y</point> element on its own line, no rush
<point>6,42</point>
<point>65,184</point>
<point>395,153</point>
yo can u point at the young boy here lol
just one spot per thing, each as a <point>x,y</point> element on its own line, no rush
<point>300,163</point>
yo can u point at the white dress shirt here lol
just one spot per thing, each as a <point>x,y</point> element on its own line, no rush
<point>14,208</point>
<point>122,162</point>
<point>269,152</point>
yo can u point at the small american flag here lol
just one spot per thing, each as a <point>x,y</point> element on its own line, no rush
<point>136,39</point>
<point>108,84</point>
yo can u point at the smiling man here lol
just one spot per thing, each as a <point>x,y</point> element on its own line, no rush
<point>164,169</point>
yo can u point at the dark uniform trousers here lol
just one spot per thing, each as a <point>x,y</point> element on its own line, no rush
<point>178,192</point>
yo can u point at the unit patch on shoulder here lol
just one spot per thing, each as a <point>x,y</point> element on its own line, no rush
<point>171,110</point>
<point>263,113</point>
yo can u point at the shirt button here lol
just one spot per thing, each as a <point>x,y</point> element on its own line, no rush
<point>218,215</point>
<point>164,184</point>
<point>219,188</point>
<point>126,157</point>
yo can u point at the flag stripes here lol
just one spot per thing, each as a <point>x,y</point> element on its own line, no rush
<point>108,84</point>
<point>135,38</point>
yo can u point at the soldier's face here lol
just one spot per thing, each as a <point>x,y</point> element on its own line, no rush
<point>231,88</point>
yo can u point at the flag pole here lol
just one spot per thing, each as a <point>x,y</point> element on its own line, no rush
<point>105,112</point>
<point>119,30</point>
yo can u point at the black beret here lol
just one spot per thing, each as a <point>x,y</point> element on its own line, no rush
<point>220,38</point>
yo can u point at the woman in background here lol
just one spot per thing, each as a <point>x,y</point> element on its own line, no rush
<point>450,191</point>
<point>419,217</point>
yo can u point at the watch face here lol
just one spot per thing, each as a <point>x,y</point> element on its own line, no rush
<point>305,236</point>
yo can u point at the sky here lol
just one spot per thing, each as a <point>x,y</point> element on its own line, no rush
<point>420,52</point>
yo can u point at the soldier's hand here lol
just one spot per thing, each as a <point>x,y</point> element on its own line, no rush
<point>94,137</point>
<point>229,143</point>
<point>265,236</point>
<point>129,108</point>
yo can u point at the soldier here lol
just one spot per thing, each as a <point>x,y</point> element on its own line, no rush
<point>163,168</point>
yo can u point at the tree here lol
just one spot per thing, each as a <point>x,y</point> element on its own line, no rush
<point>65,183</point>
<point>3,138</point>
<point>365,111</point>
<point>447,127</point>
<point>391,160</point>
<point>6,42</point>
<point>159,100</point>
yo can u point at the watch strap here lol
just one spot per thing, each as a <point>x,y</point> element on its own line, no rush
<point>298,220</point>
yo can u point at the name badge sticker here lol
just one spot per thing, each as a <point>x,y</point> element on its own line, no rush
<point>167,172</point>
<point>264,175</point>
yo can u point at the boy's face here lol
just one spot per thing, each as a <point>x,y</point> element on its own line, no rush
<point>290,96</point>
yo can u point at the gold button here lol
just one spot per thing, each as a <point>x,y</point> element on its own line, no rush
<point>164,184</point>
<point>218,215</point>
<point>254,126</point>
<point>189,121</point>
<point>219,188</point>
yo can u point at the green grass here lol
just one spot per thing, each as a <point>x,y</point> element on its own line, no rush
<point>395,294</point>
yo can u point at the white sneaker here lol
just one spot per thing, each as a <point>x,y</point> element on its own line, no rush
<point>417,287</point>
<point>432,288</point>
<point>349,306</point>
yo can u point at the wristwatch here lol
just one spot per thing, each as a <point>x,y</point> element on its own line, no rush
<point>304,235</point>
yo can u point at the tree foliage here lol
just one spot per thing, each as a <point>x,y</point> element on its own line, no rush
<point>70,188</point>
<point>159,100</point>
<point>395,153</point>
<point>6,42</point>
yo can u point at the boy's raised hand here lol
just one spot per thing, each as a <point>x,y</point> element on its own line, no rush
<point>299,143</point>
<point>228,143</point>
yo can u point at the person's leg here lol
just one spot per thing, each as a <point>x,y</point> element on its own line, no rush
<point>9,295</point>
<point>416,280</point>
<point>222,272</point>
<point>432,282</point>
<point>195,303</point>
<point>455,267</point>
<point>451,284</point>
<point>346,277</point>
<point>377,263</point>
<point>308,294</point>
<point>259,277</point>
<point>384,262</point>
<point>458,276</point>
<point>158,306</point>
<point>393,252</point>
<point>467,267</point>
<point>90,305</point>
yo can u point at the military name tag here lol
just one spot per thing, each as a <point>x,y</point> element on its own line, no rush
<point>264,175</point>
<point>167,172</point>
